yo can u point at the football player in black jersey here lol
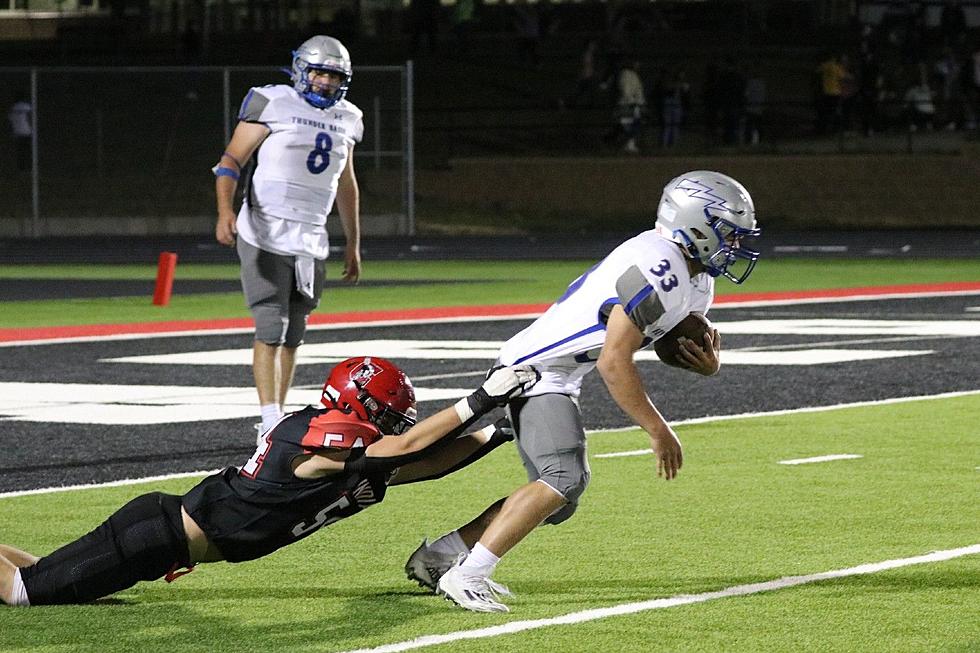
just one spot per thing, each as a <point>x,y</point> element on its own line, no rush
<point>314,467</point>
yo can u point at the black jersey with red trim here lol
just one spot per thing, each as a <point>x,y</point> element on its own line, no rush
<point>251,511</point>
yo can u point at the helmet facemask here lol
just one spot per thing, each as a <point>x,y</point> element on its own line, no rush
<point>388,420</point>
<point>374,389</point>
<point>320,96</point>
<point>732,259</point>
<point>710,215</point>
<point>318,55</point>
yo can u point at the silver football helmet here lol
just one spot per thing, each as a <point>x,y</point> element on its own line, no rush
<point>709,214</point>
<point>321,53</point>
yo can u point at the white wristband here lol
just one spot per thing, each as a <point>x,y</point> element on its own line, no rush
<point>463,410</point>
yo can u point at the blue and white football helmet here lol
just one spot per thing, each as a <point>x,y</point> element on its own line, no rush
<point>709,214</point>
<point>326,54</point>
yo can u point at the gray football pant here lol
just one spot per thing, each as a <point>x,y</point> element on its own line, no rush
<point>550,439</point>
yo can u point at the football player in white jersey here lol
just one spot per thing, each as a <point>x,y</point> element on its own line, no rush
<point>300,139</point>
<point>635,295</point>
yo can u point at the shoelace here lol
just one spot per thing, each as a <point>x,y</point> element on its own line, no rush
<point>498,589</point>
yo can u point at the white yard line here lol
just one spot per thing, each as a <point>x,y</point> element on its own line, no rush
<point>836,300</point>
<point>638,452</point>
<point>119,483</point>
<point>668,602</point>
<point>820,459</point>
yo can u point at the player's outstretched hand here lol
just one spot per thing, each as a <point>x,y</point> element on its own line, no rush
<point>502,384</point>
<point>508,382</point>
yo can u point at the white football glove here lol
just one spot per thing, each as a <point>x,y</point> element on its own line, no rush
<point>501,385</point>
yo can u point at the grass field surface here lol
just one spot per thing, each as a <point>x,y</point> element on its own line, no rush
<point>734,516</point>
<point>487,282</point>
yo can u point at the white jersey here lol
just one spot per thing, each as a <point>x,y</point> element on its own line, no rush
<point>297,167</point>
<point>647,275</point>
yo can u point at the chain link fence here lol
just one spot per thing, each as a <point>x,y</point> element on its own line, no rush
<point>129,150</point>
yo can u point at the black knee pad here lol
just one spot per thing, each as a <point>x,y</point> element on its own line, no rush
<point>296,329</point>
<point>143,540</point>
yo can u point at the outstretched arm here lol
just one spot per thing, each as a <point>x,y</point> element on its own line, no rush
<point>461,452</point>
<point>391,452</point>
<point>503,384</point>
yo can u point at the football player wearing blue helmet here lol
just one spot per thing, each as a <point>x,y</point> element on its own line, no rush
<point>644,288</point>
<point>321,71</point>
<point>293,150</point>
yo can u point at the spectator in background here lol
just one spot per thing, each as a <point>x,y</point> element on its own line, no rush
<point>711,101</point>
<point>423,16</point>
<point>674,102</point>
<point>971,83</point>
<point>952,22</point>
<point>755,105</point>
<point>189,45</point>
<point>832,74</point>
<point>869,94</point>
<point>848,93</point>
<point>21,128</point>
<point>462,18</point>
<point>919,105</point>
<point>948,72</point>
<point>731,94</point>
<point>587,82</point>
<point>527,23</point>
<point>631,104</point>
<point>891,112</point>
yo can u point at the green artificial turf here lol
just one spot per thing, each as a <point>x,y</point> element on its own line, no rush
<point>486,282</point>
<point>733,516</point>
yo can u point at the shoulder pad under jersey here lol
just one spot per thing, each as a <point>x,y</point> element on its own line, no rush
<point>336,430</point>
<point>256,105</point>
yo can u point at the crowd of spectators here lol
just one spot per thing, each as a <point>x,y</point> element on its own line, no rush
<point>896,75</point>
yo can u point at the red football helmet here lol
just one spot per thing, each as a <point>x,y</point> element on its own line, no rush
<point>374,389</point>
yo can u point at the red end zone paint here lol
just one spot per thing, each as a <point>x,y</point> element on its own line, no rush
<point>89,330</point>
<point>421,314</point>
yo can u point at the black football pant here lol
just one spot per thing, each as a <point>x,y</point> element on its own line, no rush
<point>143,540</point>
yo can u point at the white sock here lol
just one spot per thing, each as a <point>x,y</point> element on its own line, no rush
<point>270,415</point>
<point>450,544</point>
<point>481,559</point>
<point>19,592</point>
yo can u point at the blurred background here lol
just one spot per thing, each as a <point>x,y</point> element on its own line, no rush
<point>507,118</point>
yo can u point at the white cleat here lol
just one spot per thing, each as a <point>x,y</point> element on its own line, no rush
<point>472,591</point>
<point>426,566</point>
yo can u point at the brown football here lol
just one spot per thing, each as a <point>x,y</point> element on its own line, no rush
<point>693,327</point>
